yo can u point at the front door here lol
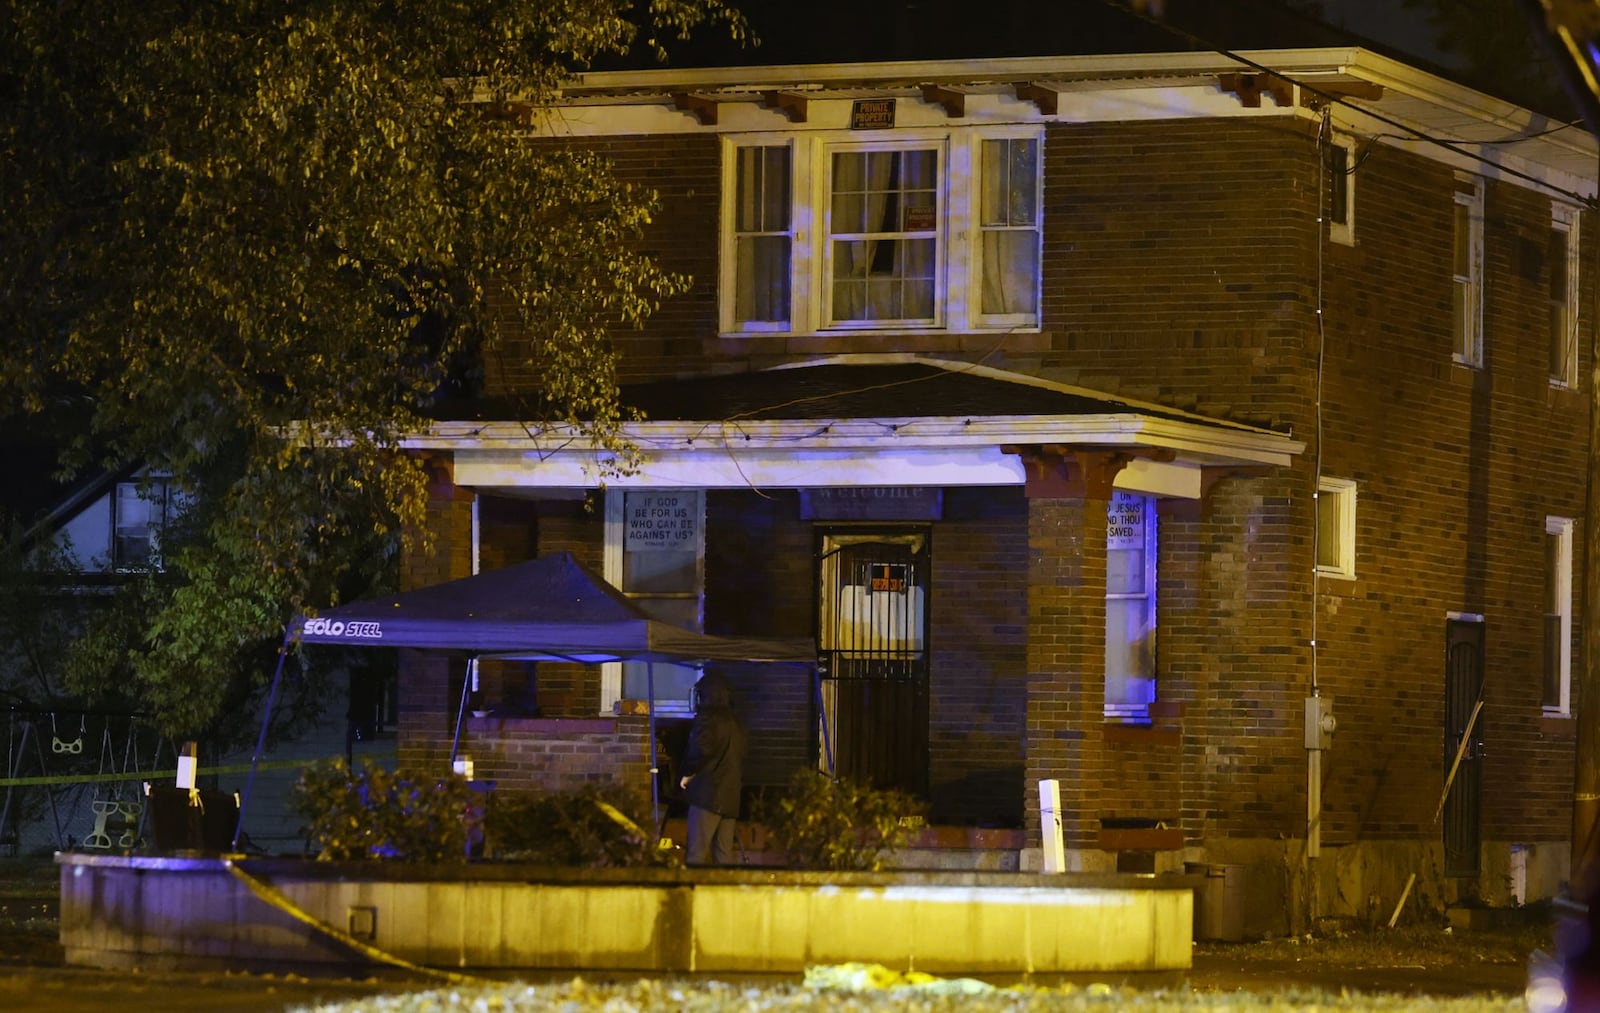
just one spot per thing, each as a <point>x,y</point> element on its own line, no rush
<point>872,630</point>
<point>1463,719</point>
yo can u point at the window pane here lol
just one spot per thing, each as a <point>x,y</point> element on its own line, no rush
<point>1559,343</point>
<point>1011,271</point>
<point>1463,241</point>
<point>763,189</point>
<point>1461,317</point>
<point>1330,531</point>
<point>1552,572</point>
<point>138,516</point>
<point>1557,259</point>
<point>762,279</point>
<point>1010,182</point>
<point>1552,661</point>
<point>1338,184</point>
<point>1125,571</point>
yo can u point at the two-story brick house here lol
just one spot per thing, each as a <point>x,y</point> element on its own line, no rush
<point>1103,419</point>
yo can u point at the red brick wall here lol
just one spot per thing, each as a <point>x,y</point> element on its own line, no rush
<point>1183,264</point>
<point>979,642</point>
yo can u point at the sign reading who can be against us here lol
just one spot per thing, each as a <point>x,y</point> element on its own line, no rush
<point>662,521</point>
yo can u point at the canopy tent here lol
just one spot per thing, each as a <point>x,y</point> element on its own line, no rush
<point>549,609</point>
<point>553,608</point>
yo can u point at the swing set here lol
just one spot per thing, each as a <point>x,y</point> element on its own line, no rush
<point>59,770</point>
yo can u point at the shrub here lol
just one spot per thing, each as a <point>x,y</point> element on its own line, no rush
<point>827,823</point>
<point>599,825</point>
<point>372,812</point>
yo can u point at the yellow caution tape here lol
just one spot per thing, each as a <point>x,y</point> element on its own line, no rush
<point>276,899</point>
<point>169,774</point>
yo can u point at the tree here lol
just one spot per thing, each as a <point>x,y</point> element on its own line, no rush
<point>248,244</point>
<point>1502,49</point>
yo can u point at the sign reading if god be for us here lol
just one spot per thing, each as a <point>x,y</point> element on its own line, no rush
<point>664,521</point>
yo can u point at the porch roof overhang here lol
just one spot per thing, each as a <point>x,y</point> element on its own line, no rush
<point>867,420</point>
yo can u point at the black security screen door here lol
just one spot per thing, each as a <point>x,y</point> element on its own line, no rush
<point>872,596</point>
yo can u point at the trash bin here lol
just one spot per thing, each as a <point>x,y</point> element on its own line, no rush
<point>1218,901</point>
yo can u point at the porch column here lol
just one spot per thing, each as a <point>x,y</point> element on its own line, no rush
<point>426,701</point>
<point>1068,492</point>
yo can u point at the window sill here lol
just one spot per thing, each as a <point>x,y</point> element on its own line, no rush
<point>1331,574</point>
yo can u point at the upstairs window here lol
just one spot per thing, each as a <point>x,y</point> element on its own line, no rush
<point>1010,224</point>
<point>1336,528</point>
<point>883,236</point>
<point>763,240</point>
<point>1467,272</point>
<point>838,231</point>
<point>1557,695</point>
<point>1339,168</point>
<point>140,512</point>
<point>1562,268</point>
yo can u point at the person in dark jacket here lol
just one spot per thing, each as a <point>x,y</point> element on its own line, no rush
<point>713,773</point>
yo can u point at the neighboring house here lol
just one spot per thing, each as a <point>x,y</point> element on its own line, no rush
<point>1210,441</point>
<point>109,529</point>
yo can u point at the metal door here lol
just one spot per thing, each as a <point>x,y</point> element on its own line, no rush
<point>1463,719</point>
<point>872,636</point>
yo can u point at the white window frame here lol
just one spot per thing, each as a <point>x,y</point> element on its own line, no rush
<point>1467,348</point>
<point>1134,712</point>
<point>1343,491</point>
<point>1343,232</point>
<point>1562,529</point>
<point>163,505</point>
<point>1564,219</point>
<point>958,285</point>
<point>612,569</point>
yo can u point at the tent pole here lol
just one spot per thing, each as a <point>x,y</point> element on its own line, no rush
<point>461,710</point>
<point>655,774</point>
<point>261,740</point>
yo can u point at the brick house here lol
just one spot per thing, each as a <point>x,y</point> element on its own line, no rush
<point>1103,419</point>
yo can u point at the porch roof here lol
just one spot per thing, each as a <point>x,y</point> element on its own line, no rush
<point>853,420</point>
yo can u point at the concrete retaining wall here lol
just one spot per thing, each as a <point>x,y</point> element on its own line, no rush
<point>195,912</point>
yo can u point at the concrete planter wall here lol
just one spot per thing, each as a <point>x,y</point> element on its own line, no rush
<point>196,912</point>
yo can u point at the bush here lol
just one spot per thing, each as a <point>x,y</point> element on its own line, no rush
<point>599,825</point>
<point>824,823</point>
<point>372,812</point>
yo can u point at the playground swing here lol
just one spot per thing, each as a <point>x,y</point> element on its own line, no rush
<point>60,745</point>
<point>116,815</point>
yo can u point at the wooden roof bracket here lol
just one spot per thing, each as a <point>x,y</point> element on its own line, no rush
<point>698,106</point>
<point>789,103</point>
<point>954,102</point>
<point>1046,99</point>
<point>1250,87</point>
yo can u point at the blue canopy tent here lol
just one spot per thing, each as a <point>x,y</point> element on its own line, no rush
<point>549,609</point>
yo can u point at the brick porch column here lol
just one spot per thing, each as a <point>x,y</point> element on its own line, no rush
<point>425,704</point>
<point>1068,492</point>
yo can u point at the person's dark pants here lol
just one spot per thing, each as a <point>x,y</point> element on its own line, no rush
<point>711,837</point>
